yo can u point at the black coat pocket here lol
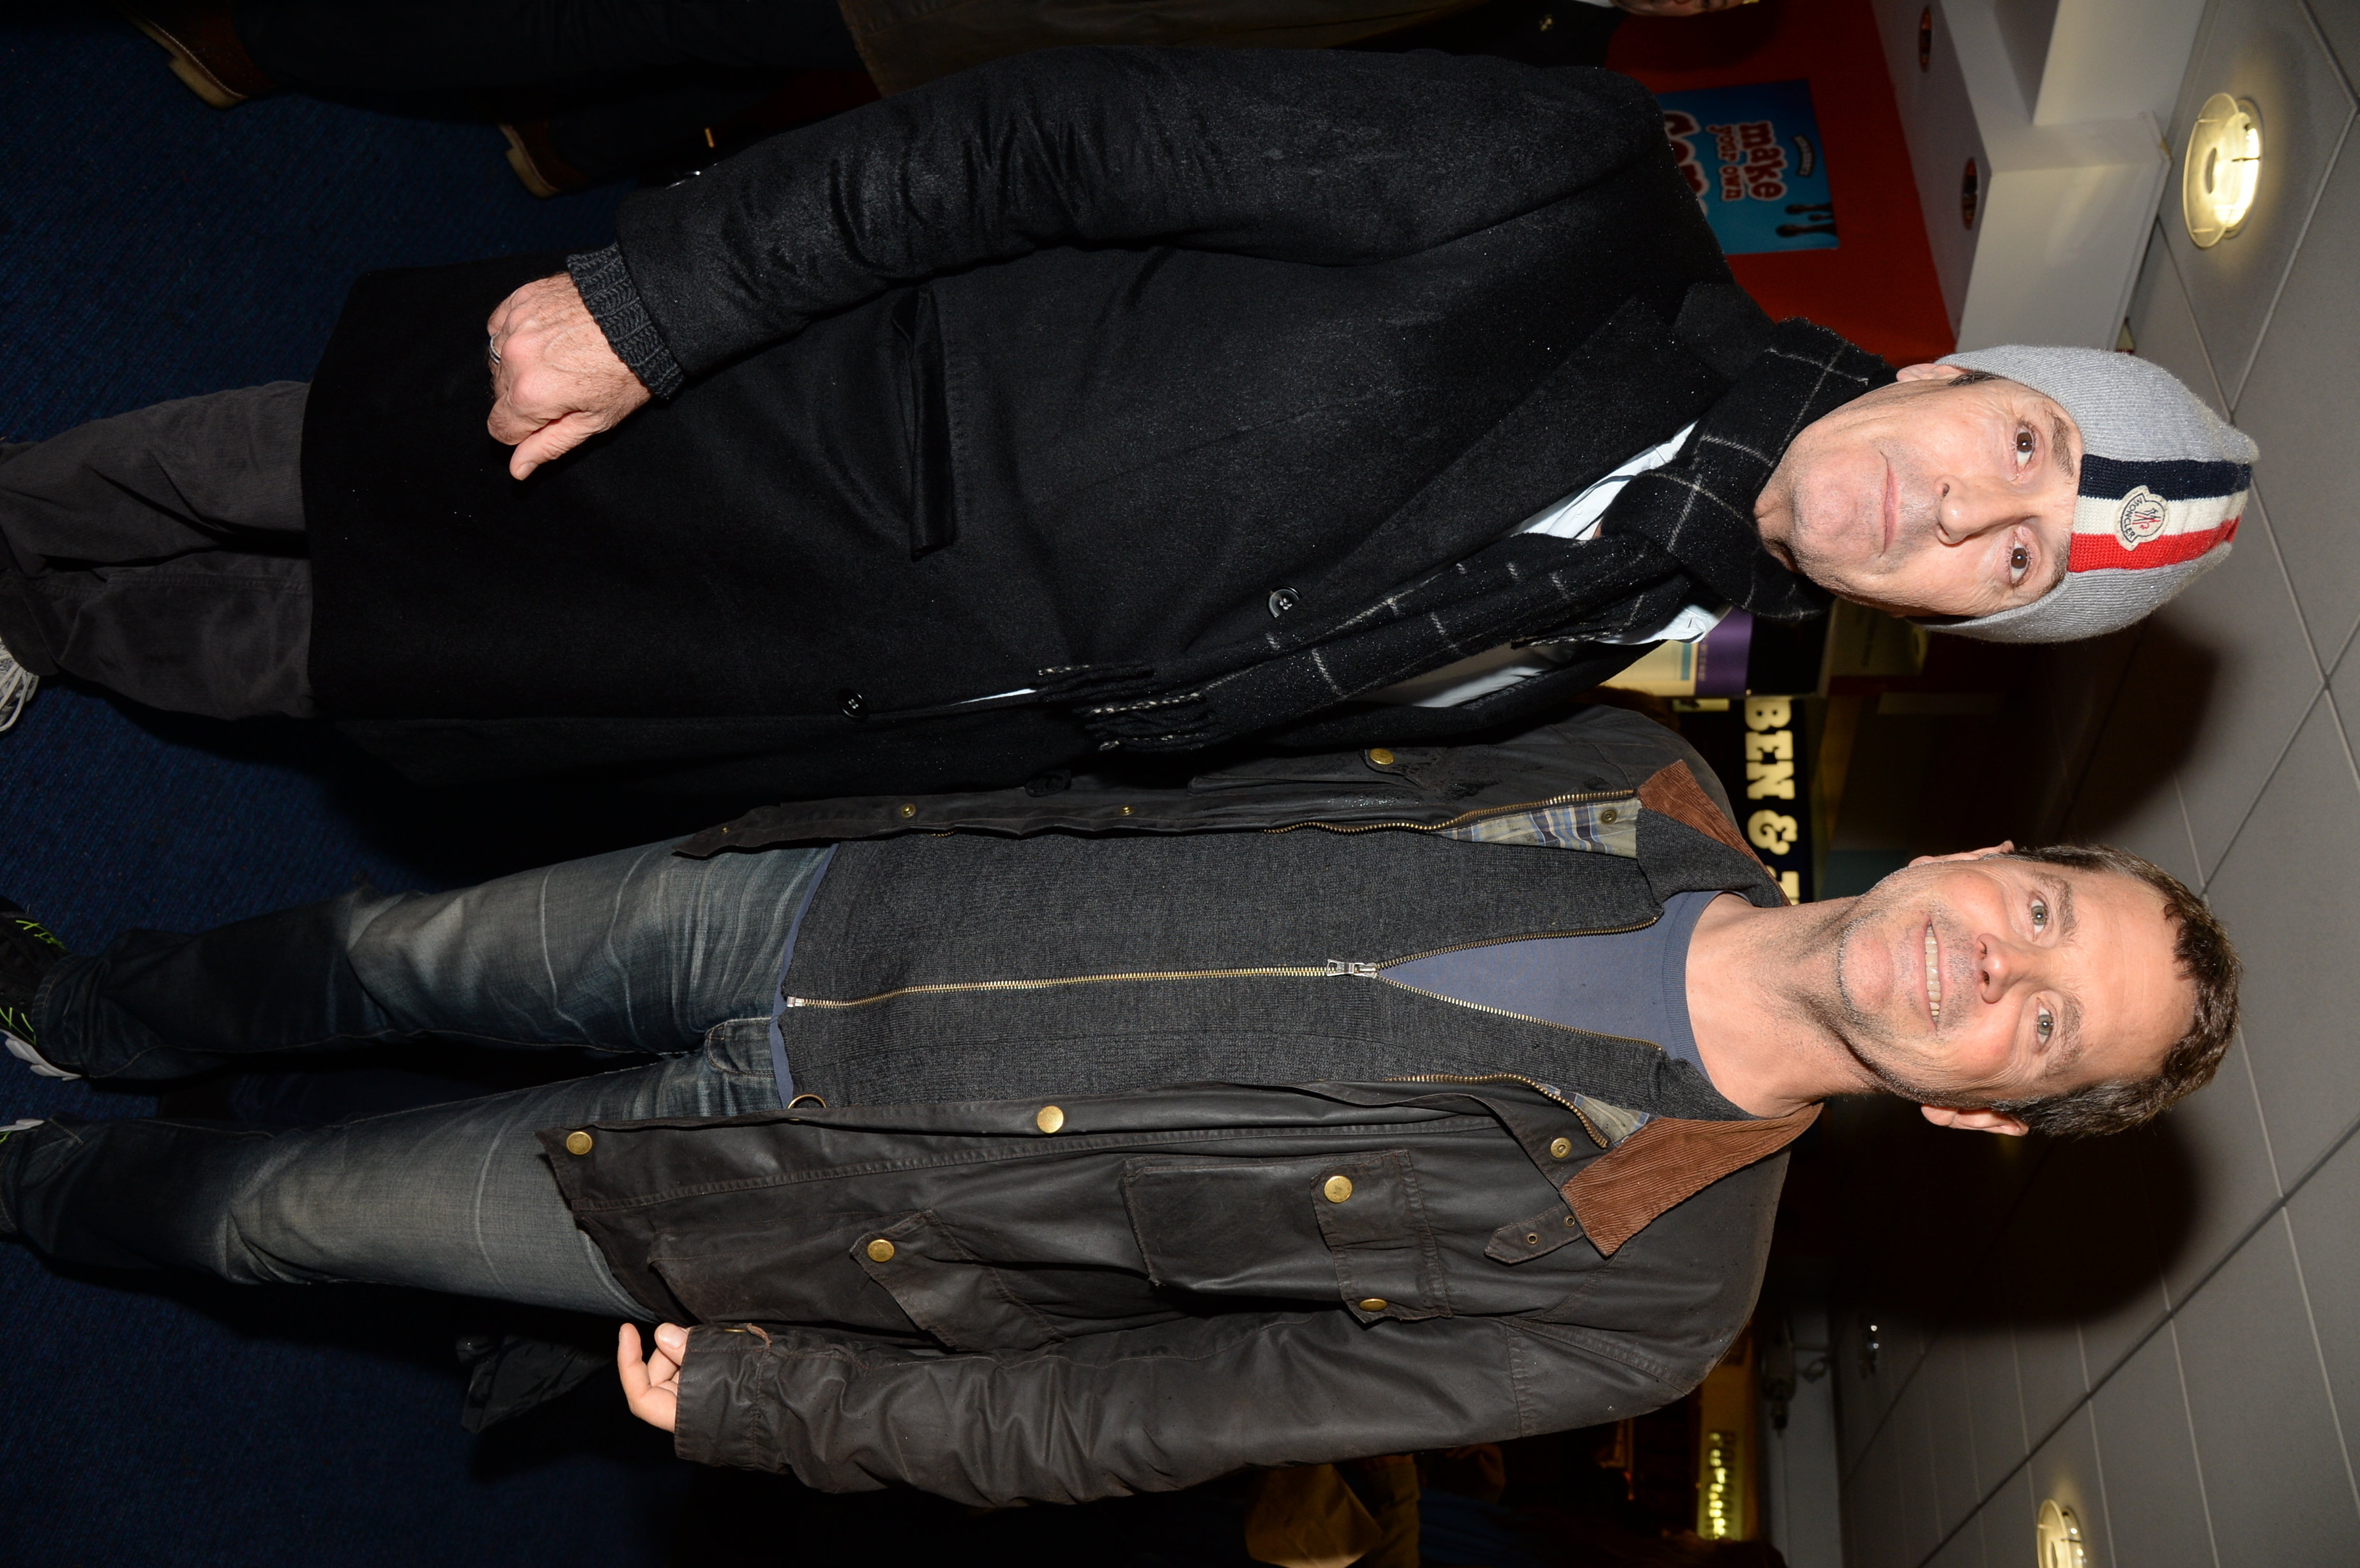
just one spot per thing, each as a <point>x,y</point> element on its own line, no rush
<point>1325,1228</point>
<point>933,503</point>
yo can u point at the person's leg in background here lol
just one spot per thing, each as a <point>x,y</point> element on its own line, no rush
<point>666,126</point>
<point>586,90</point>
<point>159,554</point>
<point>329,47</point>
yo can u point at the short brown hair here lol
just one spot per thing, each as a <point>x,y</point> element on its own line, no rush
<point>2203,956</point>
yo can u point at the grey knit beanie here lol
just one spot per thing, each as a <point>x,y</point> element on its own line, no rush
<point>2163,486</point>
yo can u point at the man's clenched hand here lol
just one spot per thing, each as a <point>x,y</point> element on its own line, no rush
<point>556,380</point>
<point>652,1388</point>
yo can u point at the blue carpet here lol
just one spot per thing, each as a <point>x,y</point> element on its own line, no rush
<point>152,248</point>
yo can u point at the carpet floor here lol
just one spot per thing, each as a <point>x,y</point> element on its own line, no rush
<point>153,248</point>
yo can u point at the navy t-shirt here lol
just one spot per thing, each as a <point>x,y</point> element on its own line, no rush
<point>1633,983</point>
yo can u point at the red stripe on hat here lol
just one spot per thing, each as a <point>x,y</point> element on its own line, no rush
<point>2094,552</point>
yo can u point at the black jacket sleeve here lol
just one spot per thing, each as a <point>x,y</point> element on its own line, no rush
<point>1151,1409</point>
<point>1325,157</point>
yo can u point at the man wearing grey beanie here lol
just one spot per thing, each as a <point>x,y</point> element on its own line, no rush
<point>1110,401</point>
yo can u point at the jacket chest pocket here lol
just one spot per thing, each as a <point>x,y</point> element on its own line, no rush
<point>1348,1227</point>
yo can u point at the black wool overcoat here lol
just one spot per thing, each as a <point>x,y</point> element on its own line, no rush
<point>1076,358</point>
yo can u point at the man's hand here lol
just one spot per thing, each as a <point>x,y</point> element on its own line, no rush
<point>556,380</point>
<point>652,1388</point>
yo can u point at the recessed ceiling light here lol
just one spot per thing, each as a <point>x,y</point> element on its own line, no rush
<point>2222,170</point>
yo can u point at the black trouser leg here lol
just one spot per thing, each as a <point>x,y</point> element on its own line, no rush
<point>370,46</point>
<point>160,554</point>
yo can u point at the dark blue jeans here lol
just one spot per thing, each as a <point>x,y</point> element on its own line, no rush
<point>634,953</point>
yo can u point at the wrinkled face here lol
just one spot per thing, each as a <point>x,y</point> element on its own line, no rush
<point>1966,981</point>
<point>1927,499</point>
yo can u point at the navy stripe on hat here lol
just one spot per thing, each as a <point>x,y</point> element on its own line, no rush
<point>2172,479</point>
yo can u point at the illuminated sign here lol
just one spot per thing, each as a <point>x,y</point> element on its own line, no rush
<point>1722,1509</point>
<point>1775,808</point>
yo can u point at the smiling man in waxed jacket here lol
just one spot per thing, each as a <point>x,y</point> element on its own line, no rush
<point>1050,1147</point>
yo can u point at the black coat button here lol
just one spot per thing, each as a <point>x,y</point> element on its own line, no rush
<point>1283,600</point>
<point>854,704</point>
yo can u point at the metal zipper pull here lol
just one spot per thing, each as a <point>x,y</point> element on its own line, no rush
<point>1345,966</point>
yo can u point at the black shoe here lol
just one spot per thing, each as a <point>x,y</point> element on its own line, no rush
<point>28,953</point>
<point>8,1135</point>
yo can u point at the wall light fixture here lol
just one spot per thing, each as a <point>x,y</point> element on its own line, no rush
<point>2222,170</point>
<point>2057,1536</point>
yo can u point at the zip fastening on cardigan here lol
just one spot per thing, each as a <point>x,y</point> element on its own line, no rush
<point>1334,967</point>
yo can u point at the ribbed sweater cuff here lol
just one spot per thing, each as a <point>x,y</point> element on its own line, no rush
<point>614,301</point>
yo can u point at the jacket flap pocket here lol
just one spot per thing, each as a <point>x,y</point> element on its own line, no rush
<point>1387,1263</point>
<point>1229,1227</point>
<point>1321,1228</point>
<point>945,1289</point>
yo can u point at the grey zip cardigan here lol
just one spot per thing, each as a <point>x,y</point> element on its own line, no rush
<point>998,1255</point>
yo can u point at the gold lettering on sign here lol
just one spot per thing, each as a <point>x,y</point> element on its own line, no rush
<point>1774,781</point>
<point>1769,749</point>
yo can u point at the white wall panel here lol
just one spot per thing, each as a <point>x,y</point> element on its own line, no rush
<point>2155,1509</point>
<point>2274,1468</point>
<point>2311,463</point>
<point>2284,890</point>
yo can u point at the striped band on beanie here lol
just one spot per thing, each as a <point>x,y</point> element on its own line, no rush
<point>2163,486</point>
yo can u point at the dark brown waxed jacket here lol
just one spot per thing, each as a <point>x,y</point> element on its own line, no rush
<point>1006,1301</point>
<point>1062,1297</point>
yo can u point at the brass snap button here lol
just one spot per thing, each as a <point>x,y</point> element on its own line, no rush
<point>1532,1238</point>
<point>1375,1304</point>
<point>880,1251</point>
<point>1381,757</point>
<point>1049,1119</point>
<point>908,811</point>
<point>577,1143</point>
<point>1609,814</point>
<point>1560,1149</point>
<point>1337,1188</point>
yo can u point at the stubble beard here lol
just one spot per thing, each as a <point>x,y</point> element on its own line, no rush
<point>1867,1039</point>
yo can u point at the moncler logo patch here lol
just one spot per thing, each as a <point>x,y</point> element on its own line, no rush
<point>2141,519</point>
